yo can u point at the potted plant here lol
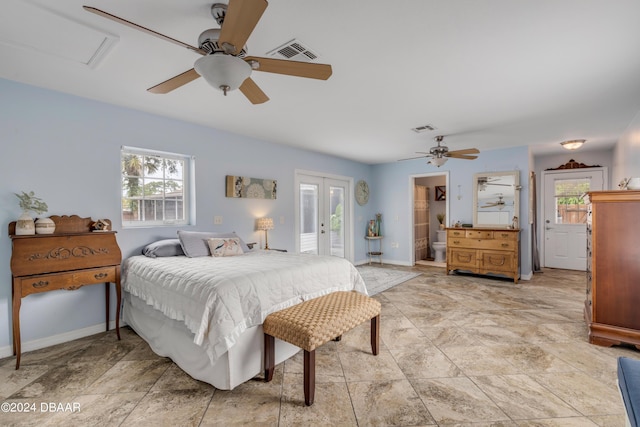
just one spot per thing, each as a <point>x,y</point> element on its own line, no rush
<point>25,224</point>
<point>440,218</point>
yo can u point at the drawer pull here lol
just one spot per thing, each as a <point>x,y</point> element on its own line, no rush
<point>457,242</point>
<point>505,245</point>
<point>40,284</point>
<point>100,275</point>
<point>464,258</point>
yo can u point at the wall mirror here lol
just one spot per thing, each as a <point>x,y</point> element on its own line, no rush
<point>496,199</point>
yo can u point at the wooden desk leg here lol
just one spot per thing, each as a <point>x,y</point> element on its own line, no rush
<point>118,297</point>
<point>17,300</point>
<point>107,294</point>
<point>118,301</point>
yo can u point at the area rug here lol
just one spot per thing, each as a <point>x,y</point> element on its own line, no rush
<point>380,279</point>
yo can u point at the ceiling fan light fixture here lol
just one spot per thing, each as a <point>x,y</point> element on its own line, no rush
<point>438,161</point>
<point>224,72</point>
<point>573,144</point>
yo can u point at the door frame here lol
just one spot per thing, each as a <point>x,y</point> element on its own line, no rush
<point>543,196</point>
<point>348,220</point>
<point>412,183</point>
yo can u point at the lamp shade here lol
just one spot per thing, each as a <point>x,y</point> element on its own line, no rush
<point>574,144</point>
<point>265,224</point>
<point>224,72</point>
<point>438,161</point>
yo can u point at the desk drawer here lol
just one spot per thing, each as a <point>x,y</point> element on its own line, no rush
<point>70,280</point>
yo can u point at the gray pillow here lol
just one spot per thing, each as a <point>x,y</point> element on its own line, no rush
<point>162,248</point>
<point>194,243</point>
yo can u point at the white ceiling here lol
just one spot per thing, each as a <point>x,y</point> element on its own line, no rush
<point>488,73</point>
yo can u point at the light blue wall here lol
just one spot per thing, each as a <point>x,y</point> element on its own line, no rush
<point>67,150</point>
<point>393,183</point>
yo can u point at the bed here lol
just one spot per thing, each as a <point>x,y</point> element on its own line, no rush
<point>206,312</point>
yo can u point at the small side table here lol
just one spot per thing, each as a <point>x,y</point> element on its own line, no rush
<point>373,254</point>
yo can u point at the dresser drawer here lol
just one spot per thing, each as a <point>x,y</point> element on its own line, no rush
<point>496,262</point>
<point>493,244</point>
<point>70,280</point>
<point>478,234</point>
<point>463,259</point>
<point>505,235</point>
<point>455,233</point>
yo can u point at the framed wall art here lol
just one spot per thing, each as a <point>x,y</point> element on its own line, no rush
<point>441,193</point>
<point>250,188</point>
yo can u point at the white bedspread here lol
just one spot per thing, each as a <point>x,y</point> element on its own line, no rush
<point>218,298</point>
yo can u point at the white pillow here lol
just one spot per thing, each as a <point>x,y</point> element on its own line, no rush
<point>225,246</point>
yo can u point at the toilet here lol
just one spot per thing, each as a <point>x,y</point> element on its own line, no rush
<point>440,246</point>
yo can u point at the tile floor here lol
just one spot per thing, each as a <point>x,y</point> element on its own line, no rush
<point>455,350</point>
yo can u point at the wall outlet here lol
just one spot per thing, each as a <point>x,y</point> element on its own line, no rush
<point>217,219</point>
<point>395,245</point>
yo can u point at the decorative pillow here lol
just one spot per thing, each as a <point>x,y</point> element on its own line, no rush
<point>162,248</point>
<point>194,243</point>
<point>225,246</point>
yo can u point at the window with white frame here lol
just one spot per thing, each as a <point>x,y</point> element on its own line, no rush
<point>156,188</point>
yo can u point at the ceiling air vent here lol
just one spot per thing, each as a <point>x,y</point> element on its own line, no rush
<point>295,51</point>
<point>424,128</point>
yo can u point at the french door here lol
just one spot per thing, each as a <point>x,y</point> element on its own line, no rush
<point>323,217</point>
<point>565,216</point>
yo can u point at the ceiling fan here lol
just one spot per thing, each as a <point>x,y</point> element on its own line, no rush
<point>500,203</point>
<point>224,63</point>
<point>440,153</point>
<point>484,182</point>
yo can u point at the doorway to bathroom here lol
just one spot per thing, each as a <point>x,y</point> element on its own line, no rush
<point>430,208</point>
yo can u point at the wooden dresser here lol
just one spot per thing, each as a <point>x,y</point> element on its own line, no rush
<point>484,251</point>
<point>613,268</point>
<point>70,258</point>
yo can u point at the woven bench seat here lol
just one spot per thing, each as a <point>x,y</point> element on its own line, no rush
<point>312,323</point>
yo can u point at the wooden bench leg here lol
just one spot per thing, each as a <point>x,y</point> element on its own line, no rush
<point>309,376</point>
<point>269,357</point>
<point>375,335</point>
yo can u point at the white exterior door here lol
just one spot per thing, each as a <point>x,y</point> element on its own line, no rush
<point>323,218</point>
<point>565,216</point>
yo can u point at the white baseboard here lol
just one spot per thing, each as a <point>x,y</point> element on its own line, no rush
<point>39,343</point>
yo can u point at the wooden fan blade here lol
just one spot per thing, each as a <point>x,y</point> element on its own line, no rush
<point>413,158</point>
<point>253,93</point>
<point>174,82</point>
<point>465,151</point>
<point>292,68</point>
<point>241,18</point>
<point>143,29</point>
<point>460,156</point>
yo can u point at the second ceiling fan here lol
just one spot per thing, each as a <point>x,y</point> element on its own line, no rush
<point>224,63</point>
<point>438,155</point>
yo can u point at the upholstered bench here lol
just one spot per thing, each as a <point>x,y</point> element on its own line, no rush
<point>629,384</point>
<point>312,323</point>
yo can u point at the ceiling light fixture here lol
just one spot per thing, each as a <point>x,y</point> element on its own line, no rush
<point>573,144</point>
<point>224,72</point>
<point>438,161</point>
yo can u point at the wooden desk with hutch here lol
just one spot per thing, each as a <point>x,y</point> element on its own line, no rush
<point>72,257</point>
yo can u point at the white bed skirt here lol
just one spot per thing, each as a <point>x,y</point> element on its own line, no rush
<point>170,338</point>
